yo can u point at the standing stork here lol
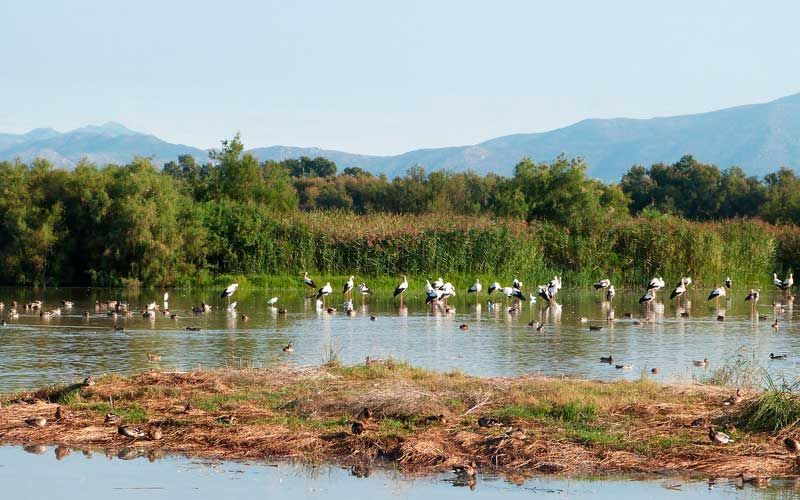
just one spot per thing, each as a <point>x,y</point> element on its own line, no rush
<point>229,291</point>
<point>787,283</point>
<point>515,283</point>
<point>777,281</point>
<point>475,288</point>
<point>348,286</point>
<point>308,281</point>
<point>324,292</point>
<point>494,287</point>
<point>655,284</point>
<point>544,293</point>
<point>647,298</point>
<point>753,297</point>
<point>401,288</point>
<point>602,284</point>
<point>679,291</point>
<point>716,293</point>
<point>438,284</point>
<point>610,293</point>
<point>728,282</point>
<point>364,290</point>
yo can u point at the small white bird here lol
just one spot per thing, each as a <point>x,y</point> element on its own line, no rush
<point>272,301</point>
<point>476,287</point>
<point>152,306</point>
<point>229,291</point>
<point>166,296</point>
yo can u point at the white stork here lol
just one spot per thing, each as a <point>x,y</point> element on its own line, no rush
<point>679,291</point>
<point>229,291</point>
<point>655,284</point>
<point>308,281</point>
<point>324,291</point>
<point>494,287</point>
<point>516,284</point>
<point>348,286</point>
<point>401,288</point>
<point>778,282</point>
<point>788,282</point>
<point>648,297</point>
<point>753,297</point>
<point>610,293</point>
<point>544,293</point>
<point>272,301</point>
<point>475,288</point>
<point>438,284</point>
<point>716,293</point>
<point>364,290</point>
<point>728,282</point>
<point>602,284</point>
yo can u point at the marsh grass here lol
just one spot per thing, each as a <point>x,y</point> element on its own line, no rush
<point>741,370</point>
<point>776,408</point>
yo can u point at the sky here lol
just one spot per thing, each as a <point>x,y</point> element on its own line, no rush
<point>383,77</point>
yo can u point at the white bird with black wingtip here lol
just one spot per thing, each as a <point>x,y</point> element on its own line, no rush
<point>401,288</point>
<point>716,293</point>
<point>475,288</point>
<point>324,292</point>
<point>229,291</point>
<point>348,286</point>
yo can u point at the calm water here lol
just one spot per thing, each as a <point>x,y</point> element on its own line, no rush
<point>36,351</point>
<point>96,477</point>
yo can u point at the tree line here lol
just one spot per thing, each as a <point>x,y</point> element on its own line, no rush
<point>120,224</point>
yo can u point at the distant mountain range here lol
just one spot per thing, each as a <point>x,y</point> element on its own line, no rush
<point>758,137</point>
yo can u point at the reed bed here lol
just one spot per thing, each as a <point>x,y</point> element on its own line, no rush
<point>422,421</point>
<point>629,251</point>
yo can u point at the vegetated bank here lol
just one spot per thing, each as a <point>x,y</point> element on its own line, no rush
<point>422,421</point>
<point>189,224</point>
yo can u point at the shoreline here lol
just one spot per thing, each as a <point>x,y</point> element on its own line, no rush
<point>537,425</point>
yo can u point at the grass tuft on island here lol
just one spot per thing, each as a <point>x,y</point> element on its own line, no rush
<point>423,421</point>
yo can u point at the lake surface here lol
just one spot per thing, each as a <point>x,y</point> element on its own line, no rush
<point>35,351</point>
<point>95,476</point>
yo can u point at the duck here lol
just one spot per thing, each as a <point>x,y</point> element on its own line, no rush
<point>772,355</point>
<point>288,347</point>
<point>357,428</point>
<point>758,481</point>
<point>131,431</point>
<point>227,419</point>
<point>720,317</point>
<point>463,327</point>
<point>61,413</point>
<point>364,415</point>
<point>37,421</point>
<point>88,381</point>
<point>372,318</point>
<point>776,325</point>
<point>468,470</point>
<point>655,370</point>
<point>192,328</point>
<point>718,437</point>
<point>245,317</point>
<point>154,433</point>
<point>607,359</point>
<point>623,367</point>
<point>701,362</point>
<point>436,419</point>
<point>489,422</point>
<point>153,357</point>
<point>792,445</point>
<point>595,328</point>
<point>735,399</point>
<point>111,418</point>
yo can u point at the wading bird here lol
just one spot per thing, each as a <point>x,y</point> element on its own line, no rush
<point>788,282</point>
<point>324,292</point>
<point>728,283</point>
<point>272,301</point>
<point>679,291</point>
<point>718,437</point>
<point>475,288</point>
<point>656,284</point>
<point>515,283</point>
<point>229,291</point>
<point>364,290</point>
<point>648,297</point>
<point>602,284</point>
<point>308,281</point>
<point>753,297</point>
<point>777,281</point>
<point>494,287</point>
<point>716,293</point>
<point>401,288</point>
<point>348,286</point>
<point>610,293</point>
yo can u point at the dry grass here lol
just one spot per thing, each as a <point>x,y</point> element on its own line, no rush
<point>561,425</point>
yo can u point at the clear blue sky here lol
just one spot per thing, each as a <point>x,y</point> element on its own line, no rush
<point>383,77</point>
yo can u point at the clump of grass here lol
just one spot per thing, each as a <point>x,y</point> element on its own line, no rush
<point>219,402</point>
<point>573,412</point>
<point>777,407</point>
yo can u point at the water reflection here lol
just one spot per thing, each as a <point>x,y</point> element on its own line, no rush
<point>130,473</point>
<point>36,351</point>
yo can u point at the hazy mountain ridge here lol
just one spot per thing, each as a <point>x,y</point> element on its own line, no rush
<point>758,137</point>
